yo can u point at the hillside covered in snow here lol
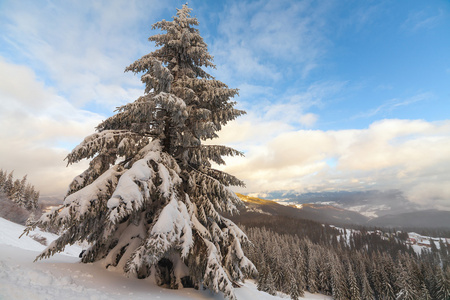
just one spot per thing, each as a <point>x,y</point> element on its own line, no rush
<point>64,277</point>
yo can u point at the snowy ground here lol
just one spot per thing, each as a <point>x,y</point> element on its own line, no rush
<point>64,277</point>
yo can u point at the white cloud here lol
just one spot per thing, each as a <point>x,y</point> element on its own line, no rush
<point>410,155</point>
<point>38,126</point>
<point>82,48</point>
<point>308,120</point>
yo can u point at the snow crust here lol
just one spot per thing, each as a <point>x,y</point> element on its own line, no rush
<point>63,276</point>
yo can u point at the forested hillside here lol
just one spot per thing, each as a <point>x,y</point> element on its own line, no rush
<point>294,256</point>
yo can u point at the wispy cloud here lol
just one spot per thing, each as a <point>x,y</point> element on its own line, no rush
<point>394,104</point>
<point>274,32</point>
<point>81,48</point>
<point>422,20</point>
<point>289,106</point>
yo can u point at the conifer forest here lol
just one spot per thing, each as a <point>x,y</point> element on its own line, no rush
<point>294,256</point>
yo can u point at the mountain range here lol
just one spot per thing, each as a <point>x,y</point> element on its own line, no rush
<point>372,203</point>
<point>325,212</point>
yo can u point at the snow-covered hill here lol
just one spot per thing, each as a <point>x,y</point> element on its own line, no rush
<point>417,241</point>
<point>64,277</point>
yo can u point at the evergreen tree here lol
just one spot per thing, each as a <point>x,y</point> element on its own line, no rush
<point>19,191</point>
<point>299,269</point>
<point>424,293</point>
<point>443,253</point>
<point>433,246</point>
<point>366,289</point>
<point>353,288</point>
<point>8,186</point>
<point>294,291</point>
<point>338,282</point>
<point>262,274</point>
<point>20,196</point>
<point>150,199</point>
<point>407,291</point>
<point>443,284</point>
<point>312,279</point>
<point>429,277</point>
<point>3,177</point>
<point>268,283</point>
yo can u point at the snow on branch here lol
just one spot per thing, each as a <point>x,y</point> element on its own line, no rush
<point>142,115</point>
<point>172,230</point>
<point>216,278</point>
<point>101,142</point>
<point>84,201</point>
<point>175,106</point>
<point>222,198</point>
<point>226,179</point>
<point>211,152</point>
<point>157,76</point>
<point>156,172</point>
<point>86,205</point>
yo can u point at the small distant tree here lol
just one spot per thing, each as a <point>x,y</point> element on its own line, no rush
<point>338,279</point>
<point>366,289</point>
<point>18,199</point>
<point>407,291</point>
<point>8,184</point>
<point>3,176</point>
<point>352,284</point>
<point>19,191</point>
<point>150,201</point>
<point>424,293</point>
<point>19,195</point>
<point>443,284</point>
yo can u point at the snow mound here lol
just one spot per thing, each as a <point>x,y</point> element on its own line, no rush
<point>37,240</point>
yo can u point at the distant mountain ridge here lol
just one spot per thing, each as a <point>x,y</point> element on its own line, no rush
<point>426,218</point>
<point>315,212</point>
<point>326,213</point>
<point>371,204</point>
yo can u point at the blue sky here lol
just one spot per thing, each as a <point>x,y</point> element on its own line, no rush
<point>340,95</point>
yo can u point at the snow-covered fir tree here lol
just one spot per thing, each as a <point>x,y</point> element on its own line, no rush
<point>424,293</point>
<point>338,280</point>
<point>443,284</point>
<point>407,290</point>
<point>18,191</point>
<point>150,201</point>
<point>353,288</point>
